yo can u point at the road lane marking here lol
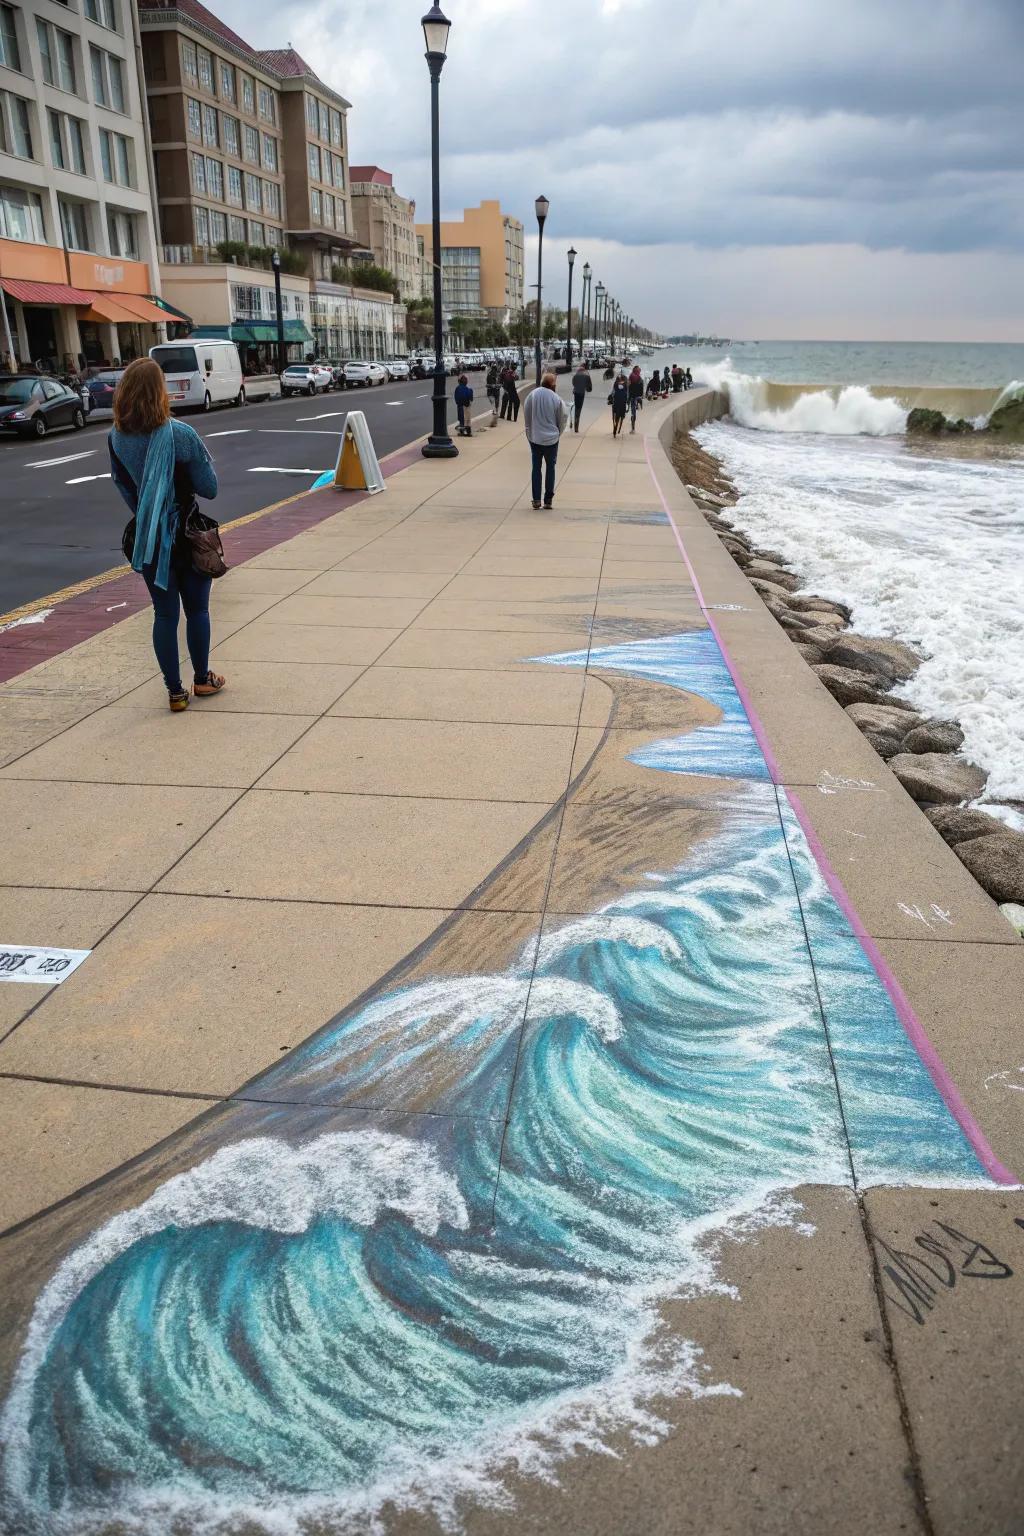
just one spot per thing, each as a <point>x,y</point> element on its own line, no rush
<point>230,432</point>
<point>322,417</point>
<point>82,479</point>
<point>38,617</point>
<point>65,458</point>
<point>275,469</point>
<point>302,432</point>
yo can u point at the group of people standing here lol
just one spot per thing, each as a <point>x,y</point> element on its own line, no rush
<point>503,391</point>
<point>628,393</point>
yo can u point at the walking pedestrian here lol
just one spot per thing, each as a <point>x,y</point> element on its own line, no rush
<point>636,395</point>
<point>160,466</point>
<point>582,384</point>
<point>544,420</point>
<point>463,397</point>
<point>510,397</point>
<point>493,390</point>
<point>619,400</point>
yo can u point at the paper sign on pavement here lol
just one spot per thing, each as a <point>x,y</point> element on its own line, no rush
<point>39,963</point>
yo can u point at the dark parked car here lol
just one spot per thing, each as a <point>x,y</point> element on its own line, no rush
<point>101,384</point>
<point>33,404</point>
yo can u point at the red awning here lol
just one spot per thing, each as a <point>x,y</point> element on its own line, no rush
<point>44,293</point>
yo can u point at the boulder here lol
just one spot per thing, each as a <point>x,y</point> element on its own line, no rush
<point>709,496</point>
<point>824,636</point>
<point>825,620</point>
<point>739,552</point>
<point>882,717</point>
<point>937,779</point>
<point>768,570</point>
<point>767,588</point>
<point>810,653</point>
<point>845,684</point>
<point>935,736</point>
<point>821,604</point>
<point>774,556</point>
<point>1014,914</point>
<point>890,659</point>
<point>957,824</point>
<point>1008,421</point>
<point>925,422</point>
<point>796,622</point>
<point>997,863</point>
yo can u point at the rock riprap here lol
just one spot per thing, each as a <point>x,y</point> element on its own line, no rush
<point>997,863</point>
<point>938,779</point>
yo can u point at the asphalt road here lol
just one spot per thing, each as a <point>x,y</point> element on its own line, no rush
<point>61,519</point>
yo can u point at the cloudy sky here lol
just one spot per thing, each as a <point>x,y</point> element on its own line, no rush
<point>758,168</point>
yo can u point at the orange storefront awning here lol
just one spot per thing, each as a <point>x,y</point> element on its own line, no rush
<point>105,308</point>
<point>144,309</point>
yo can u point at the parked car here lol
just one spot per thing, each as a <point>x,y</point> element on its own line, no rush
<point>306,379</point>
<point>100,384</point>
<point>398,368</point>
<point>337,367</point>
<point>33,404</point>
<point>365,374</point>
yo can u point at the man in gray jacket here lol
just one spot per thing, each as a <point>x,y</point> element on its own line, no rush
<point>544,415</point>
<point>581,387</point>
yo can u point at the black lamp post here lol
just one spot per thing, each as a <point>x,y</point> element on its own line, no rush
<point>436,27</point>
<point>540,206</point>
<point>585,311</point>
<point>282,361</point>
<point>598,307</point>
<point>568,315</point>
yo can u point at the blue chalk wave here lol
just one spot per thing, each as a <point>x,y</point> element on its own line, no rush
<point>313,1324</point>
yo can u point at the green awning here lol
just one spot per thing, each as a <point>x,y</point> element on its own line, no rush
<point>172,313</point>
<point>255,331</point>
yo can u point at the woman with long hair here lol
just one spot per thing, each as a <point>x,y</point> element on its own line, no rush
<point>618,400</point>
<point>160,466</point>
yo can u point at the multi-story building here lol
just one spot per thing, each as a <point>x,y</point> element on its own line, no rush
<point>385,224</point>
<point>481,263</point>
<point>249,145</point>
<point>78,250</point>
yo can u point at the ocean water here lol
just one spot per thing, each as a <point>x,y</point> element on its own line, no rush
<point>923,538</point>
<point>302,1328</point>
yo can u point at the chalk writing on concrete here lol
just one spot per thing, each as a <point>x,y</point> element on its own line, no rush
<point>834,784</point>
<point>937,1259</point>
<point>935,915</point>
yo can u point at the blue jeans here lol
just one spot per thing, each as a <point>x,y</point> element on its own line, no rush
<point>189,590</point>
<point>545,454</point>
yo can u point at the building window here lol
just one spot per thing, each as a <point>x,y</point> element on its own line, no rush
<point>104,12</point>
<point>253,198</point>
<point>336,128</point>
<point>16,128</point>
<point>341,220</point>
<point>67,143</point>
<point>313,156</point>
<point>115,158</point>
<point>218,226</point>
<point>250,144</point>
<point>312,115</point>
<point>248,96</point>
<point>198,174</point>
<point>204,61</point>
<point>236,228</point>
<point>272,199</point>
<point>57,51</point>
<point>267,105</point>
<point>201,223</point>
<point>257,233</point>
<point>107,80</point>
<point>328,210</point>
<point>315,206</point>
<point>229,131</point>
<point>10,53</point>
<point>227,81</point>
<point>74,224</point>
<point>324,121</point>
<point>188,62</point>
<point>121,236</point>
<point>339,172</point>
<point>215,180</point>
<point>21,215</point>
<point>210,126</point>
<point>269,152</point>
<point>193,118</point>
<point>273,235</point>
<point>234,186</point>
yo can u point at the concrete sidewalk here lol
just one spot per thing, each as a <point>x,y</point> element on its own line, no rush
<point>475,879</point>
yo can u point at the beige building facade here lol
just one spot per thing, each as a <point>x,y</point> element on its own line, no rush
<point>78,249</point>
<point>482,262</point>
<point>385,224</point>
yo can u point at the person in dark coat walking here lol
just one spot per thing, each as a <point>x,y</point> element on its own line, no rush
<point>619,402</point>
<point>582,384</point>
<point>510,395</point>
<point>636,396</point>
<point>494,389</point>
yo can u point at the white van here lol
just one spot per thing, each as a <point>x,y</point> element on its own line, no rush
<point>201,372</point>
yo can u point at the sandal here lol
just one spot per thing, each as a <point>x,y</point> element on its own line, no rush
<point>178,700</point>
<point>211,683</point>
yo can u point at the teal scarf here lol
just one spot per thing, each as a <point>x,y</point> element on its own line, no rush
<point>156,517</point>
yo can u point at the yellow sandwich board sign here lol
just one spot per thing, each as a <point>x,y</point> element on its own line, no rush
<point>357,468</point>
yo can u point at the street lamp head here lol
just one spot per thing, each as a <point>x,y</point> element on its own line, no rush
<point>600,289</point>
<point>586,270</point>
<point>572,255</point>
<point>275,260</point>
<point>436,27</point>
<point>541,206</point>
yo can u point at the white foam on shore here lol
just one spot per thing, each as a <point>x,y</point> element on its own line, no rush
<point>852,411</point>
<point>925,548</point>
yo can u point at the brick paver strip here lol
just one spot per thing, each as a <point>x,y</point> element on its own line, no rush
<point>86,614</point>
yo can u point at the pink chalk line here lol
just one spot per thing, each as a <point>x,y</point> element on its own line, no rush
<point>915,1030</point>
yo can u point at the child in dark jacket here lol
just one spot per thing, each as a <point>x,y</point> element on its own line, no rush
<point>464,403</point>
